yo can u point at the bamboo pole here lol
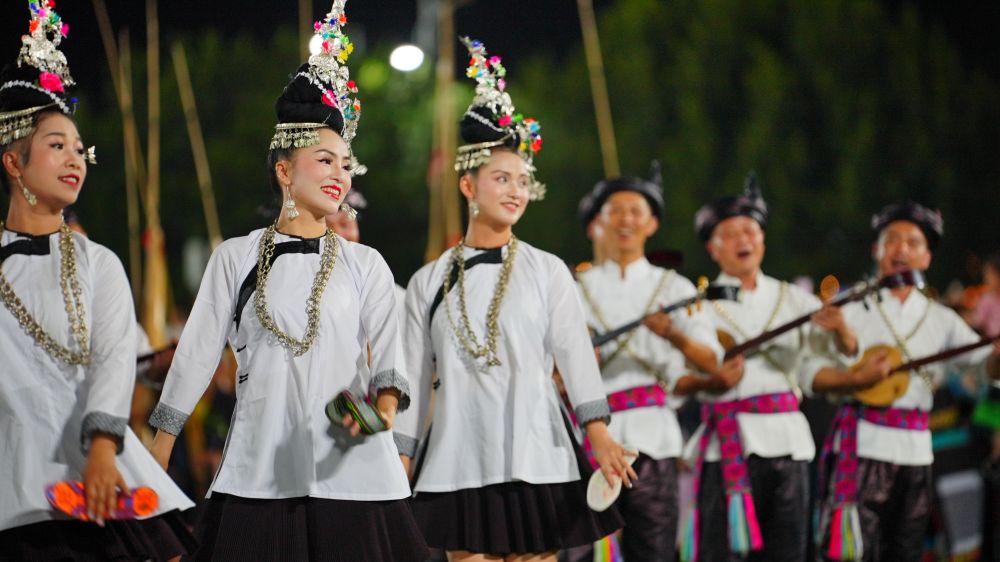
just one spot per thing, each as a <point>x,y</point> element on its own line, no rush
<point>131,141</point>
<point>198,150</point>
<point>444,220</point>
<point>115,64</point>
<point>155,287</point>
<point>305,27</point>
<point>599,88</point>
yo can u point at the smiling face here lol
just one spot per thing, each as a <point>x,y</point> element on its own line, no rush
<point>901,245</point>
<point>628,222</point>
<point>50,163</point>
<point>500,188</point>
<point>737,245</point>
<point>317,177</point>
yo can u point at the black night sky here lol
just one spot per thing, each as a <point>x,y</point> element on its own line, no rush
<point>512,27</point>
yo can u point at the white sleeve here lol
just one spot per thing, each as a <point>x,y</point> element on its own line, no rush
<point>959,334</point>
<point>569,342</point>
<point>111,373</point>
<point>419,353</point>
<point>380,320</point>
<point>201,344</point>
<point>697,325</point>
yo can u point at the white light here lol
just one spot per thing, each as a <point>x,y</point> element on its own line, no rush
<point>315,45</point>
<point>406,58</point>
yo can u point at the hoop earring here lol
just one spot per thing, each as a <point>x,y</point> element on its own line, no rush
<point>473,210</point>
<point>290,211</point>
<point>29,196</point>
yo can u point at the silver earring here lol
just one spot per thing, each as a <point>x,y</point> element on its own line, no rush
<point>91,156</point>
<point>32,200</point>
<point>351,213</point>
<point>473,209</point>
<point>290,211</point>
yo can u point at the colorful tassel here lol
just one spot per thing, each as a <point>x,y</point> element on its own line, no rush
<point>689,540</point>
<point>744,529</point>
<point>845,534</point>
<point>608,550</point>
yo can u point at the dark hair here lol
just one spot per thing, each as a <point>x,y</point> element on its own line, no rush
<point>22,146</point>
<point>274,156</point>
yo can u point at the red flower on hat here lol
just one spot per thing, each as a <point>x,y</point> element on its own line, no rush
<point>352,86</point>
<point>32,26</point>
<point>505,121</point>
<point>51,82</point>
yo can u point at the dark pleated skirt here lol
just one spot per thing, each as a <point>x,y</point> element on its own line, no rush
<point>516,517</point>
<point>307,529</point>
<point>158,538</point>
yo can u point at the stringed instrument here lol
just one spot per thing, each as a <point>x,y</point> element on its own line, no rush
<point>830,291</point>
<point>884,392</point>
<point>706,291</point>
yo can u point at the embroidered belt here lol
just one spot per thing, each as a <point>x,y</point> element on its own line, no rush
<point>845,527</point>
<point>629,399</point>
<point>719,419</point>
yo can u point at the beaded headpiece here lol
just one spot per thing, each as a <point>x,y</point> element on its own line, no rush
<point>40,77</point>
<point>491,121</point>
<point>322,89</point>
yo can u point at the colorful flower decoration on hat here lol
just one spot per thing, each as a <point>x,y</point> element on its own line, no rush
<point>491,93</point>
<point>40,47</point>
<point>328,69</point>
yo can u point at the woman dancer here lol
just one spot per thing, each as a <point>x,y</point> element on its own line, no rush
<point>67,339</point>
<point>301,307</point>
<point>500,475</point>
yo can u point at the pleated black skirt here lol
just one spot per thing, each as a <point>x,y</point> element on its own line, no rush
<point>515,517</point>
<point>158,538</point>
<point>307,529</point>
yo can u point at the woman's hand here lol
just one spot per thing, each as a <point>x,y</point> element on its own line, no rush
<point>612,457</point>
<point>163,445</point>
<point>386,404</point>
<point>101,479</point>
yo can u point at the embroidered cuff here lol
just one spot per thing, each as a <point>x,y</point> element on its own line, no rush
<point>593,410</point>
<point>100,422</point>
<point>405,445</point>
<point>168,419</point>
<point>390,379</point>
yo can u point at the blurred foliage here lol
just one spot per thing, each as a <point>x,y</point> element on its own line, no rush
<point>838,105</point>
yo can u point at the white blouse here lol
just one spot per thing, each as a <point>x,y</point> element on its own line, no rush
<point>280,442</point>
<point>49,410</point>
<point>928,328</point>
<point>775,368</point>
<point>648,358</point>
<point>503,423</point>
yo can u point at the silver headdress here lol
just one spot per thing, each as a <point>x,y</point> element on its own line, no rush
<point>327,71</point>
<point>492,116</point>
<point>41,77</point>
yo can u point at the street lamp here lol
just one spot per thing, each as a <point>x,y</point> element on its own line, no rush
<point>315,45</point>
<point>406,58</point>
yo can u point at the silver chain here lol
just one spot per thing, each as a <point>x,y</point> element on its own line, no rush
<point>69,282</point>
<point>265,254</point>
<point>466,335</point>
<point>901,341</point>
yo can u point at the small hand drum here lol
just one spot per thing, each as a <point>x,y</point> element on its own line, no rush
<point>69,497</point>
<point>362,411</point>
<point>886,391</point>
